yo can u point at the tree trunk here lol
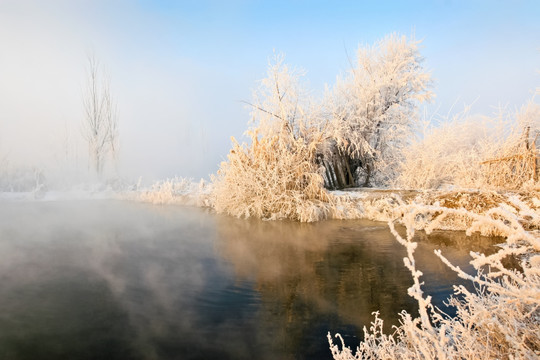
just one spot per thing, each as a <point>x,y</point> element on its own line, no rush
<point>368,176</point>
<point>350,177</point>
<point>331,183</point>
<point>339,174</point>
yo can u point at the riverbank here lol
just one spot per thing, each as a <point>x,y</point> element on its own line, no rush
<point>385,205</point>
<point>354,203</point>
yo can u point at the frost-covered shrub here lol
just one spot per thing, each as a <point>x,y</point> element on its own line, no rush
<point>475,152</point>
<point>514,164</point>
<point>499,320</point>
<point>447,154</point>
<point>272,178</point>
<point>21,179</point>
<point>276,175</point>
<point>176,191</point>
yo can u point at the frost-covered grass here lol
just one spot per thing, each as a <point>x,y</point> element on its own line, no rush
<point>269,181</point>
<point>178,190</point>
<point>20,179</point>
<point>499,320</point>
<point>458,206</point>
<point>480,152</point>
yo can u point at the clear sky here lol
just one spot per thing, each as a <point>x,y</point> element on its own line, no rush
<point>179,69</point>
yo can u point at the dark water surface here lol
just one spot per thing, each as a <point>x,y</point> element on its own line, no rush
<point>120,280</point>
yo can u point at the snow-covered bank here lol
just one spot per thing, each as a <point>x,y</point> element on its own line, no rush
<point>455,206</point>
<point>355,203</point>
<point>76,193</point>
<point>443,210</point>
<point>177,191</point>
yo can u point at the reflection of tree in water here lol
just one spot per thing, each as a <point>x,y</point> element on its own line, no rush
<point>317,277</point>
<point>455,246</point>
<point>332,275</point>
<point>458,241</point>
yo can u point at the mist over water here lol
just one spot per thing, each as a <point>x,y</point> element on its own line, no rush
<point>121,280</point>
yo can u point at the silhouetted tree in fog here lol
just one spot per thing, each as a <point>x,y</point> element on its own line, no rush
<point>100,125</point>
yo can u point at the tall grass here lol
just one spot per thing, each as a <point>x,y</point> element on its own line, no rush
<point>476,152</point>
<point>272,178</point>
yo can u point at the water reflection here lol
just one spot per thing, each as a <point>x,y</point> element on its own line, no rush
<point>105,279</point>
<point>333,275</point>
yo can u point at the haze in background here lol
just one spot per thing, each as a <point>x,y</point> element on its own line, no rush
<point>179,70</point>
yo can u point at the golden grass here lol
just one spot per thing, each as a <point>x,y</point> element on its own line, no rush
<point>274,177</point>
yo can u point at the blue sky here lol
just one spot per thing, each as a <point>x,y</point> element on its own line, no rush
<point>180,68</point>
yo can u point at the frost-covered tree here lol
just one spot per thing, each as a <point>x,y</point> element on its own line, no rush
<point>297,145</point>
<point>100,124</point>
<point>372,112</point>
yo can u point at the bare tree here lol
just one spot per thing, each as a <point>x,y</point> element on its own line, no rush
<point>100,125</point>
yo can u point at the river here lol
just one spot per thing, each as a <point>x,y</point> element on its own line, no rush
<point>104,279</point>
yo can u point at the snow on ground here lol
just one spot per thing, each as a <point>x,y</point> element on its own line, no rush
<point>179,191</point>
<point>76,193</point>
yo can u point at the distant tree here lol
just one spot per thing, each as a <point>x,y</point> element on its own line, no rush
<point>372,112</point>
<point>100,125</point>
